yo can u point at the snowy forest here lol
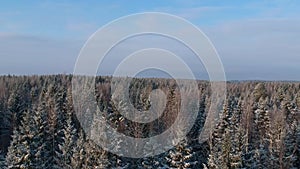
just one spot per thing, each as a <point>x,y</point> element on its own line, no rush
<point>259,126</point>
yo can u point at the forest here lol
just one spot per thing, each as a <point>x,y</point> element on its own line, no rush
<point>258,126</point>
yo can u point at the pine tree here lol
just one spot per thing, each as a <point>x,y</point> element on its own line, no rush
<point>150,148</point>
<point>38,144</point>
<point>259,91</point>
<point>182,156</point>
<point>19,153</point>
<point>237,135</point>
<point>258,155</point>
<point>220,142</point>
<point>55,102</point>
<point>79,153</point>
<point>276,140</point>
<point>5,128</point>
<point>228,141</point>
<point>200,146</point>
<point>291,140</point>
<point>113,121</point>
<point>95,156</point>
<point>16,106</point>
<point>5,120</point>
<point>68,143</point>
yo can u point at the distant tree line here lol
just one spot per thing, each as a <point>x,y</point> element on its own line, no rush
<point>39,128</point>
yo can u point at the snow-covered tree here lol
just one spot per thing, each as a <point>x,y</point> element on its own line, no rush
<point>228,142</point>
<point>258,155</point>
<point>276,140</point>
<point>220,142</point>
<point>19,153</point>
<point>69,132</point>
<point>150,148</point>
<point>237,135</point>
<point>79,153</point>
<point>39,142</point>
<point>181,156</point>
<point>95,156</point>
<point>16,106</point>
<point>53,122</point>
<point>291,139</point>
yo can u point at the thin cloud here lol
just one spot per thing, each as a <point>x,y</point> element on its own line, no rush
<point>263,47</point>
<point>21,54</point>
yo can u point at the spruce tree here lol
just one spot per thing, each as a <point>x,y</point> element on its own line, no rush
<point>220,143</point>
<point>19,153</point>
<point>258,155</point>
<point>16,107</point>
<point>96,157</point>
<point>237,135</point>
<point>181,156</point>
<point>79,153</point>
<point>156,161</point>
<point>227,142</point>
<point>39,144</point>
<point>291,139</point>
<point>68,143</point>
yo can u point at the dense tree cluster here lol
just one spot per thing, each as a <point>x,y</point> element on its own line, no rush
<point>39,128</point>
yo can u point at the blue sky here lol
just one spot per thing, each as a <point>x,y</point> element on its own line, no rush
<point>258,39</point>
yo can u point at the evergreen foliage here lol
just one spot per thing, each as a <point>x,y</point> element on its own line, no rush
<point>259,126</point>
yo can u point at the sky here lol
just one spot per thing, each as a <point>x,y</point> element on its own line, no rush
<point>255,39</point>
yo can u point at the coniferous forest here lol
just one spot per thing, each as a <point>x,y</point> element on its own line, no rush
<point>259,125</point>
